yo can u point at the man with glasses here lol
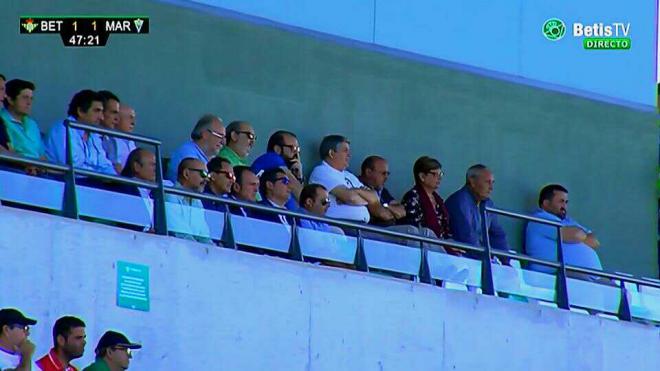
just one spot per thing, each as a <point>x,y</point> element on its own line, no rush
<point>69,340</point>
<point>314,200</point>
<point>185,215</point>
<point>220,182</point>
<point>207,139</point>
<point>274,187</point>
<point>240,140</point>
<point>283,152</point>
<point>374,174</point>
<point>15,348</point>
<point>113,352</point>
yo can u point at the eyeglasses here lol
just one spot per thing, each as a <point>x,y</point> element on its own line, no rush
<point>284,179</point>
<point>294,148</point>
<point>204,174</point>
<point>226,173</point>
<point>249,134</point>
<point>385,173</point>
<point>439,174</point>
<point>128,350</point>
<point>216,134</point>
<point>25,328</point>
<point>325,201</point>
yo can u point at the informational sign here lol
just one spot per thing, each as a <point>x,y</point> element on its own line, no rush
<point>132,286</point>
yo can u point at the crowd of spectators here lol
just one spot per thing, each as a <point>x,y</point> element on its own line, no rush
<point>215,161</point>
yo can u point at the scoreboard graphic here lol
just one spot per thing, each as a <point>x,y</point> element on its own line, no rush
<point>84,31</point>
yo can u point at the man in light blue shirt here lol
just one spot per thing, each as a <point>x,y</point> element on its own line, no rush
<point>87,148</point>
<point>185,215</point>
<point>578,242</point>
<point>314,200</point>
<point>207,139</point>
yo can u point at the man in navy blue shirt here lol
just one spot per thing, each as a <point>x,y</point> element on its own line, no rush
<point>221,179</point>
<point>466,207</point>
<point>274,187</point>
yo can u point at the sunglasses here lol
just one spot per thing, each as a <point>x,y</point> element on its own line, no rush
<point>25,328</point>
<point>216,134</point>
<point>249,134</point>
<point>439,174</point>
<point>284,179</point>
<point>294,149</point>
<point>128,350</point>
<point>226,173</point>
<point>201,172</point>
<point>325,201</point>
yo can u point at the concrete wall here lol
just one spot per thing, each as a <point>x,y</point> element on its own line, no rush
<point>195,61</point>
<point>218,309</point>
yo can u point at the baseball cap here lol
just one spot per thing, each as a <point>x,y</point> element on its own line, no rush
<point>115,339</point>
<point>11,316</point>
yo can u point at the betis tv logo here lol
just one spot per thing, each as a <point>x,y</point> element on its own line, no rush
<point>554,29</point>
<point>29,25</point>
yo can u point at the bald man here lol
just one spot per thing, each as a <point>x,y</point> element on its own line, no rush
<point>118,149</point>
<point>185,215</point>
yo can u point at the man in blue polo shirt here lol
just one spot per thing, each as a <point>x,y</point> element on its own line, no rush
<point>578,243</point>
<point>206,140</point>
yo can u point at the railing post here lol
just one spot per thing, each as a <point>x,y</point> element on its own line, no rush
<point>360,261</point>
<point>424,269</point>
<point>561,286</point>
<point>70,207</point>
<point>228,232</point>
<point>160,218</point>
<point>487,283</point>
<point>624,304</point>
<point>294,246</point>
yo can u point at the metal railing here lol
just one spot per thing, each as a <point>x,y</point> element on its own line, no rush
<point>426,244</point>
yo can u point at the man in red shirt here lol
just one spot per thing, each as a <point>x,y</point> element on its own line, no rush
<point>69,344</point>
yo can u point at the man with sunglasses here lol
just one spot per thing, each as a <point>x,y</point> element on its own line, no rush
<point>207,139</point>
<point>314,200</point>
<point>15,348</point>
<point>185,215</point>
<point>274,187</point>
<point>283,151</point>
<point>240,140</point>
<point>113,352</point>
<point>374,174</point>
<point>221,179</point>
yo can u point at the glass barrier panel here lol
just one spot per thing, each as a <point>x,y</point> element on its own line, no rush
<point>327,246</point>
<point>594,293</point>
<point>393,257</point>
<point>20,188</point>
<point>454,269</point>
<point>114,206</point>
<point>260,233</point>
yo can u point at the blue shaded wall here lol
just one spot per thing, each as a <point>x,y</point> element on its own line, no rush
<point>219,309</point>
<point>501,36</point>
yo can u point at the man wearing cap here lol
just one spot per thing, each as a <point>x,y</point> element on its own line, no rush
<point>15,348</point>
<point>69,341</point>
<point>113,352</point>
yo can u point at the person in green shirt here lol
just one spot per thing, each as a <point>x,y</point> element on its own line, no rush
<point>240,140</point>
<point>113,353</point>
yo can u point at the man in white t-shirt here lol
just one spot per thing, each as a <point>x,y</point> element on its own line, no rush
<point>15,348</point>
<point>348,196</point>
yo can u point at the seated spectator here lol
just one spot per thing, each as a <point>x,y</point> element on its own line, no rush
<point>110,102</point>
<point>283,151</point>
<point>113,352</point>
<point>348,196</point>
<point>578,243</point>
<point>466,208</point>
<point>220,183</point>
<point>24,136</point>
<point>185,215</point>
<point>240,140</point>
<point>87,149</point>
<point>119,148</point>
<point>141,164</point>
<point>16,349</point>
<point>314,200</point>
<point>374,174</point>
<point>4,137</point>
<point>68,344</point>
<point>207,138</point>
<point>245,188</point>
<point>274,187</point>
